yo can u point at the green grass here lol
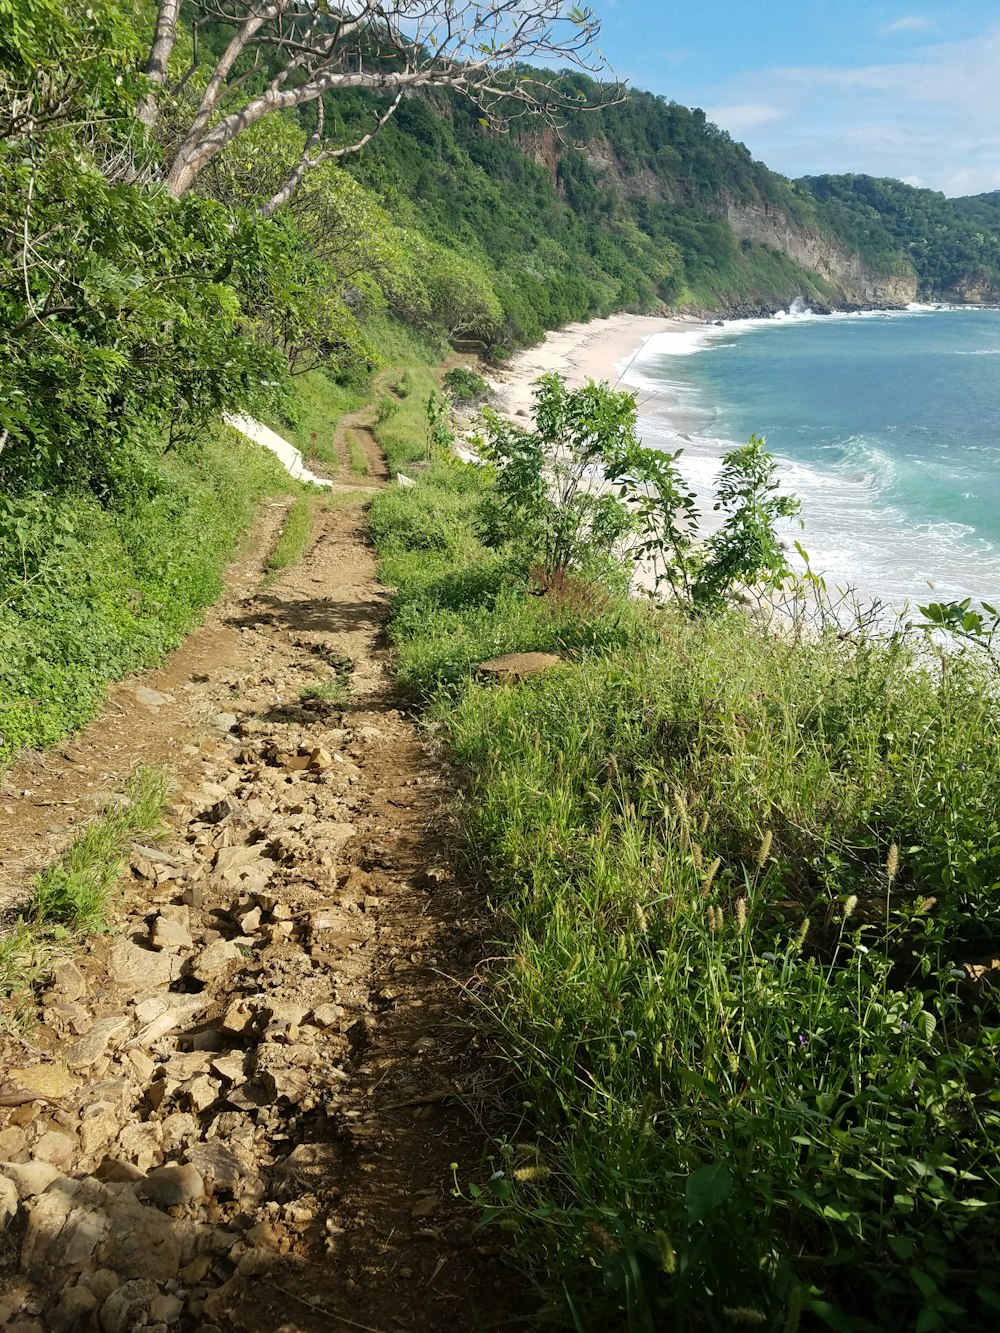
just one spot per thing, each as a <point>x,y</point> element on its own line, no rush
<point>293,540</point>
<point>75,896</point>
<point>736,878</point>
<point>401,422</point>
<point>359,464</point>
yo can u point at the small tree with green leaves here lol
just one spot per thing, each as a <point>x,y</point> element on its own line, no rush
<point>581,492</point>
<point>550,501</point>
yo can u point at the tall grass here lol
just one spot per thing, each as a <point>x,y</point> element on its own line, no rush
<point>743,884</point>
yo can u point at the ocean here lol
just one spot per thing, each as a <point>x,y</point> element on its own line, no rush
<point>885,425</point>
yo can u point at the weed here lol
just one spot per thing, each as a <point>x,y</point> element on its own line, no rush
<point>75,892</point>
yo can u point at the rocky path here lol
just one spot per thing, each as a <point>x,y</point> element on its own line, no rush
<point>239,1109</point>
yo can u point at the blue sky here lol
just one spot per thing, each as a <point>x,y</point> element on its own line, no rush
<point>911,91</point>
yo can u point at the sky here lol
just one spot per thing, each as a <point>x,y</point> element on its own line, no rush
<point>911,91</point>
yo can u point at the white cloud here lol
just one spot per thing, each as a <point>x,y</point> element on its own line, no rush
<point>744,116</point>
<point>911,23</point>
<point>933,115</point>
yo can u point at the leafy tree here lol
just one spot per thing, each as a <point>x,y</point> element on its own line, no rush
<point>581,492</point>
<point>549,502</point>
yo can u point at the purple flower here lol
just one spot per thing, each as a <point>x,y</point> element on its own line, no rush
<point>803,1041</point>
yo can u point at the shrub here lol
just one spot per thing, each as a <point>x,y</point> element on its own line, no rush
<point>465,385</point>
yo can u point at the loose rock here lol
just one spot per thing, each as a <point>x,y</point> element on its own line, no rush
<point>86,1052</point>
<point>173,1186</point>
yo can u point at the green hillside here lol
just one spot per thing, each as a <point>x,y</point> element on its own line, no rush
<point>953,245</point>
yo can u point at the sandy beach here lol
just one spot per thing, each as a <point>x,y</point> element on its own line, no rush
<point>599,350</point>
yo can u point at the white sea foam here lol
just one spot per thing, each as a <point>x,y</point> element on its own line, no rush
<point>856,529</point>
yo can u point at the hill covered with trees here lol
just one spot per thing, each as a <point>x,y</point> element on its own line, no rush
<point>952,245</point>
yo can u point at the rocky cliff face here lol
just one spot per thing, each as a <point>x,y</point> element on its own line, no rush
<point>832,275</point>
<point>975,289</point>
<point>854,281</point>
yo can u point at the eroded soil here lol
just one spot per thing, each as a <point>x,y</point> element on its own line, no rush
<point>238,1109</point>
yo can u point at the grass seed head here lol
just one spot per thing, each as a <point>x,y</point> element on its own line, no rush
<point>667,1255</point>
<point>764,851</point>
<point>741,914</point>
<point>892,863</point>
<point>849,905</point>
<point>713,870</point>
<point>602,1237</point>
<point>531,1173</point>
<point>802,933</point>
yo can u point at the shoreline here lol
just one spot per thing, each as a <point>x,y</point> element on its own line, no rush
<point>601,349</point>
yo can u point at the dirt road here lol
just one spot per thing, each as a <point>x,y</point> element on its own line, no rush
<point>239,1108</point>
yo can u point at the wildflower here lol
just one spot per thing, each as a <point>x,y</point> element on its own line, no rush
<point>803,1040</point>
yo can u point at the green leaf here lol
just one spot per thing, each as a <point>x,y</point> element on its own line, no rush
<point>706,1189</point>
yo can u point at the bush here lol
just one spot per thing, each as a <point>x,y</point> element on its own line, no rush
<point>465,385</point>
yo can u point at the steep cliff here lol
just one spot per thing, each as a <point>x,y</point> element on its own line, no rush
<point>853,279</point>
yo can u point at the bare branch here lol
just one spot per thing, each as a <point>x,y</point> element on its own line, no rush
<point>164,41</point>
<point>310,158</point>
<point>384,46</point>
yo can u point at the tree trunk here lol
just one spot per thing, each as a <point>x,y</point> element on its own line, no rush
<point>164,41</point>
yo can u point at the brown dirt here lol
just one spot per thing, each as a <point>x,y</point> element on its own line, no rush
<point>325,939</point>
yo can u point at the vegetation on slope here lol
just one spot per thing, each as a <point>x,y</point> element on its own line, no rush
<point>953,245</point>
<point>746,887</point>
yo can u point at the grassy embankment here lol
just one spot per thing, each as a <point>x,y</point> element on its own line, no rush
<point>737,878</point>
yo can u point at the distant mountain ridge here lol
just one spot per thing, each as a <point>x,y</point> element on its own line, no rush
<point>646,203</point>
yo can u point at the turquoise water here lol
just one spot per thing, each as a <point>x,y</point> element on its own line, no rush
<point>887,427</point>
